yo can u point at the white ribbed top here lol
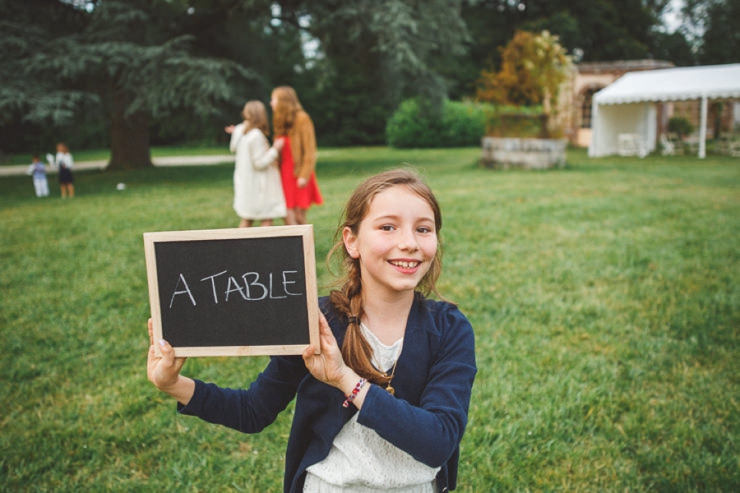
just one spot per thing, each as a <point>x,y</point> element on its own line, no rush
<point>360,461</point>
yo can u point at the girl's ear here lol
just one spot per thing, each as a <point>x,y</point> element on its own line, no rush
<point>350,242</point>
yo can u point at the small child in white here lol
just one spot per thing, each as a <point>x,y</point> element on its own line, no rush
<point>38,170</point>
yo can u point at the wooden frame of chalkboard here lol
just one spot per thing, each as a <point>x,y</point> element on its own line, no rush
<point>234,292</point>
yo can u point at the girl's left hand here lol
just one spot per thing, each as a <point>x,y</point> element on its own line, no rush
<point>328,366</point>
<point>302,182</point>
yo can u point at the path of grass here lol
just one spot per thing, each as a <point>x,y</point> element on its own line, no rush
<point>604,298</point>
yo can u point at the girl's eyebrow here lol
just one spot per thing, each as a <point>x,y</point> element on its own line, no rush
<point>391,216</point>
<point>386,216</point>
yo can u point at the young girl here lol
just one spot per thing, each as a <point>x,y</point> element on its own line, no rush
<point>258,193</point>
<point>385,404</point>
<point>63,162</point>
<point>298,160</point>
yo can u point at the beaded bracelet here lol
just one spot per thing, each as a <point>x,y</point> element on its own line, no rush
<point>353,394</point>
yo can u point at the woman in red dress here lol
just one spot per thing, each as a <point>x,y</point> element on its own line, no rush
<point>298,157</point>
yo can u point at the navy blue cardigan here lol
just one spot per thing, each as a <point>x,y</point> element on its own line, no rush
<point>426,418</point>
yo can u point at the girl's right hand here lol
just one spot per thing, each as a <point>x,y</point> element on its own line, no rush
<point>327,366</point>
<point>163,371</point>
<point>278,144</point>
<point>229,129</point>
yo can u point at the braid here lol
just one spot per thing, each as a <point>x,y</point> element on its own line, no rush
<point>356,351</point>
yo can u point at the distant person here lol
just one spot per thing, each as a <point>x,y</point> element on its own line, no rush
<point>258,191</point>
<point>37,169</point>
<point>298,159</point>
<point>384,406</point>
<point>63,162</point>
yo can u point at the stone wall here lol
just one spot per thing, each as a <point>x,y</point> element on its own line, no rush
<point>505,153</point>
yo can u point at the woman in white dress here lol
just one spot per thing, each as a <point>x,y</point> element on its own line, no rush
<point>258,191</point>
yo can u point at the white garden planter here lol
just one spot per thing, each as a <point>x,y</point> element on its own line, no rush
<point>505,153</point>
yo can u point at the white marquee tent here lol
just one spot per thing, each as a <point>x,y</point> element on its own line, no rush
<point>628,107</point>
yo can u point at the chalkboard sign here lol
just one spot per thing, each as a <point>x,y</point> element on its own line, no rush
<point>234,292</point>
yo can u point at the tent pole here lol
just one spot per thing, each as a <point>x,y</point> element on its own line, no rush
<point>703,129</point>
<point>594,140</point>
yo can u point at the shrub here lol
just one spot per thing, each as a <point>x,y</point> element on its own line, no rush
<point>414,125</point>
<point>520,125</point>
<point>680,126</point>
<point>521,122</point>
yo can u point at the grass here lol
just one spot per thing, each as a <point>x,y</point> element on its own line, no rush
<point>604,298</point>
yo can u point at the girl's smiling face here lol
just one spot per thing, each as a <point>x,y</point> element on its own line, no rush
<point>395,242</point>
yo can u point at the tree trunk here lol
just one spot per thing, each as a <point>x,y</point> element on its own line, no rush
<point>129,140</point>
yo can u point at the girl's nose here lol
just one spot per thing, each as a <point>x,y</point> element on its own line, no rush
<point>407,241</point>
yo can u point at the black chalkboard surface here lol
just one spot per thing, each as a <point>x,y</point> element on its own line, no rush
<point>233,292</point>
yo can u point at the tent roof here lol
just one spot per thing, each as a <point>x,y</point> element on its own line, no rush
<point>673,84</point>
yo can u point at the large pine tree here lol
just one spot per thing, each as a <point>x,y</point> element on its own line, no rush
<point>132,62</point>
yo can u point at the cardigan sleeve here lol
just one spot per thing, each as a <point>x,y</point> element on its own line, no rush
<point>236,136</point>
<point>253,409</point>
<point>306,136</point>
<point>260,153</point>
<point>432,430</point>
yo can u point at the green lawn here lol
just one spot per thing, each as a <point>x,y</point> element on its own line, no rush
<point>605,299</point>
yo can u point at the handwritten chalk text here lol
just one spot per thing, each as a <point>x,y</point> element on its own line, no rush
<point>248,287</point>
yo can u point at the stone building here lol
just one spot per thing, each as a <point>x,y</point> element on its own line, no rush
<point>589,78</point>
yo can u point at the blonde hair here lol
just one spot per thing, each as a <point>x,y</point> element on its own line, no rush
<point>285,110</point>
<point>255,116</point>
<point>347,300</point>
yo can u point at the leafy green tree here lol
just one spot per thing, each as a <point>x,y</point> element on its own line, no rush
<point>373,55</point>
<point>673,47</point>
<point>349,100</point>
<point>721,38</point>
<point>251,34</point>
<point>602,29</point>
<point>169,69</point>
<point>533,68</point>
<point>130,61</point>
<point>599,30</point>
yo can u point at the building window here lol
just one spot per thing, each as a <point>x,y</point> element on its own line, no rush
<point>586,106</point>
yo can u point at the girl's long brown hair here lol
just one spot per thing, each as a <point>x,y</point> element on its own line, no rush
<point>255,116</point>
<point>286,109</point>
<point>347,300</point>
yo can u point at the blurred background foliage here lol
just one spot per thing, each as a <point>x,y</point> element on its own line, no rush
<point>128,75</point>
<point>459,125</point>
